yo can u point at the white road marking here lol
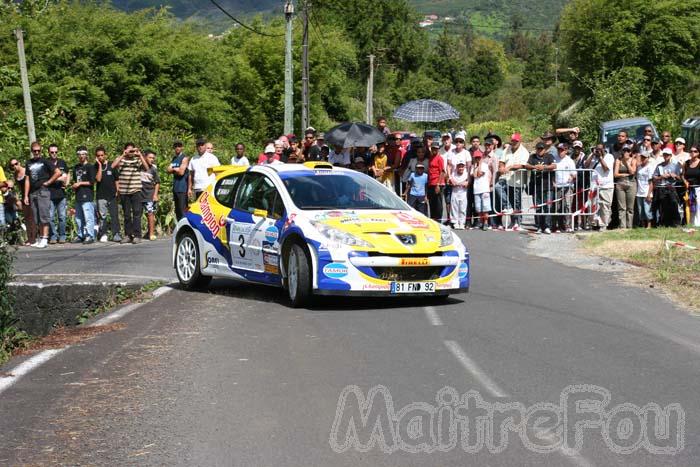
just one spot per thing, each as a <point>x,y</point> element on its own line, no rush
<point>493,388</point>
<point>25,367</point>
<point>121,312</point>
<point>474,369</point>
<point>433,317</point>
<point>83,274</point>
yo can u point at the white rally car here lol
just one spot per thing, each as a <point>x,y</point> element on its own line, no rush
<point>315,229</point>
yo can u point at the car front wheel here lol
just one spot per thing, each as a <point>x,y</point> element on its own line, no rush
<point>298,276</point>
<point>188,263</point>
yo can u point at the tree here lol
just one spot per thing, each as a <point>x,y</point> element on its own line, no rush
<point>662,38</point>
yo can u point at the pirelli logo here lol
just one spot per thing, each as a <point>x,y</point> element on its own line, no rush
<point>415,262</point>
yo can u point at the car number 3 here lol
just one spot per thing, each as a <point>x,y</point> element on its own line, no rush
<point>241,247</point>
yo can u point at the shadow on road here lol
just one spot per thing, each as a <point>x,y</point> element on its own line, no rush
<point>266,294</point>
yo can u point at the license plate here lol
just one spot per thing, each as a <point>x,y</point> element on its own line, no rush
<point>412,287</point>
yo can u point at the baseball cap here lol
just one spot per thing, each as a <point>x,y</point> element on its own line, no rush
<point>578,144</point>
<point>201,141</point>
<point>359,159</point>
<point>548,135</point>
<point>460,163</point>
<point>490,141</point>
<point>446,135</point>
<point>477,154</point>
<point>321,136</point>
<point>562,146</point>
<point>420,166</point>
<point>177,144</point>
<point>540,146</point>
<point>626,148</point>
<point>667,151</point>
<point>461,135</point>
<point>644,154</point>
<point>680,140</point>
<point>435,144</point>
<point>270,148</point>
<point>516,137</point>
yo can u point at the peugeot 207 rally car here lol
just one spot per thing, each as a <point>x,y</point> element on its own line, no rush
<point>315,229</point>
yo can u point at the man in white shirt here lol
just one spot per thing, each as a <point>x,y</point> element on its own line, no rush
<point>199,165</point>
<point>240,158</point>
<point>270,153</point>
<point>447,146</point>
<point>454,156</point>
<point>508,188</point>
<point>339,156</point>
<point>564,180</point>
<point>601,161</point>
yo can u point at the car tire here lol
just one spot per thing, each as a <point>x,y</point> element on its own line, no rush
<point>188,263</point>
<point>298,271</point>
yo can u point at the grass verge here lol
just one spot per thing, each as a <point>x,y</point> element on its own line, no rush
<point>672,268</point>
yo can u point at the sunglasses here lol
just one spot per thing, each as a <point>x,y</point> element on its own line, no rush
<point>14,164</point>
<point>53,152</point>
<point>36,150</point>
<point>647,139</point>
<point>694,150</point>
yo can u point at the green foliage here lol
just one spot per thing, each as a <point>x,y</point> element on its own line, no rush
<point>11,337</point>
<point>660,38</point>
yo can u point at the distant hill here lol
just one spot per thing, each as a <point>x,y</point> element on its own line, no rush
<point>488,16</point>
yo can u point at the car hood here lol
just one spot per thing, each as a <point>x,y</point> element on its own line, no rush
<point>389,231</point>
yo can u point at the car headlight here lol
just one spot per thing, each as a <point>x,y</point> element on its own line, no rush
<point>445,236</point>
<point>340,236</point>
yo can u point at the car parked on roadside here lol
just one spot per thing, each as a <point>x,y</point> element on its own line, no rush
<point>633,126</point>
<point>315,229</point>
<point>690,131</point>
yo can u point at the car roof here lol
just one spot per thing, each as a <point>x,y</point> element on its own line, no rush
<point>291,169</point>
<point>624,122</point>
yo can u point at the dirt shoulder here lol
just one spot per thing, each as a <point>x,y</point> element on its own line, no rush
<point>662,259</point>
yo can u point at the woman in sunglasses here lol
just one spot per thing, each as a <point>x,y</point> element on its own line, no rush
<point>19,174</point>
<point>691,178</point>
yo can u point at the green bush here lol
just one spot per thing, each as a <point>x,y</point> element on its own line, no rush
<point>11,337</point>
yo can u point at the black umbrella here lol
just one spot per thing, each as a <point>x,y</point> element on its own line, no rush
<point>354,135</point>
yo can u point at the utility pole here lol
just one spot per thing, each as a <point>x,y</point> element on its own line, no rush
<point>25,86</point>
<point>305,68</point>
<point>288,78</point>
<point>370,92</point>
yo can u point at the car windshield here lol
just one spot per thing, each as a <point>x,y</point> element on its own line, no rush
<point>341,190</point>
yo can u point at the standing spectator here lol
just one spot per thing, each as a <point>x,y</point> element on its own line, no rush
<point>645,173</point>
<point>339,156</point>
<point>59,203</point>
<point>625,187</point>
<point>106,194</point>
<point>436,183</point>
<point>567,135</point>
<point>548,139</point>
<point>645,146</point>
<point>36,192</point>
<point>293,154</point>
<point>240,158</point>
<point>199,168</point>
<point>490,159</point>
<point>395,153</point>
<point>416,189</point>
<point>481,176</point>
<point>512,180</point>
<point>358,165</point>
<point>3,190</point>
<point>691,178</point>
<point>380,168</point>
<point>84,175</point>
<point>459,180</point>
<point>648,132</point>
<point>270,154</point>
<point>666,142</point>
<point>20,174</point>
<point>150,187</point>
<point>419,159</point>
<point>602,163</point>
<point>583,189</point>
<point>616,149</point>
<point>680,157</point>
<point>209,147</point>
<point>656,156</point>
<point>453,155</point>
<point>311,147</point>
<point>542,163</point>
<point>564,181</point>
<point>381,126</point>
<point>130,163</point>
<point>181,177</point>
<point>666,199</point>
<point>475,145</point>
<point>447,146</point>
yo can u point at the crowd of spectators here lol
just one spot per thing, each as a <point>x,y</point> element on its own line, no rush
<point>487,185</point>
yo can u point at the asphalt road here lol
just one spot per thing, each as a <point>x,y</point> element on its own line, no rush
<point>234,377</point>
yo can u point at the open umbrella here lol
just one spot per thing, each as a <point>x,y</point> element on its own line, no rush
<point>354,135</point>
<point>426,110</point>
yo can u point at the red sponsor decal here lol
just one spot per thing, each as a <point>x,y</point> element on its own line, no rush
<point>208,217</point>
<point>410,220</point>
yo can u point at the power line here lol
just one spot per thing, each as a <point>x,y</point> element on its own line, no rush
<point>242,24</point>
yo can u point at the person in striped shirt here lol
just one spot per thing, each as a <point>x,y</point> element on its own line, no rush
<point>130,164</point>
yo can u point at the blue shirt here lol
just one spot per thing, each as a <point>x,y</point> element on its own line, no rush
<point>418,183</point>
<point>179,182</point>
